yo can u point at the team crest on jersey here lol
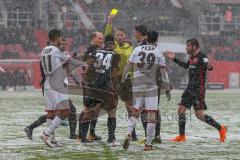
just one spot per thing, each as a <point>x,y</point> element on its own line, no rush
<point>205,60</point>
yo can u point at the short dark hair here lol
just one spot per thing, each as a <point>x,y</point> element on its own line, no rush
<point>141,29</point>
<point>152,36</point>
<point>53,34</point>
<point>74,54</point>
<point>108,38</point>
<point>109,41</point>
<point>193,41</point>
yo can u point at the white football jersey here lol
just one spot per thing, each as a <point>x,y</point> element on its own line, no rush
<point>52,60</point>
<point>146,59</point>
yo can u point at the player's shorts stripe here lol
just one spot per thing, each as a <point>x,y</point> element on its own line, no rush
<point>49,63</point>
<point>65,109</point>
<point>44,63</point>
<point>135,108</point>
<point>150,110</point>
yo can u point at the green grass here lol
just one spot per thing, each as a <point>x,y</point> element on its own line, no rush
<point>21,108</point>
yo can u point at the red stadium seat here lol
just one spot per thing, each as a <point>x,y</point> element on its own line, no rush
<point>41,37</point>
<point>18,47</point>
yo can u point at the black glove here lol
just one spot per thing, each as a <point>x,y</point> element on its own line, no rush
<point>209,67</point>
<point>168,95</point>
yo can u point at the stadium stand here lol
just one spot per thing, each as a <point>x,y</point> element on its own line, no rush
<point>24,25</point>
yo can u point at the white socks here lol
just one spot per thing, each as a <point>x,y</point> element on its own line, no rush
<point>56,122</point>
<point>150,133</point>
<point>131,124</point>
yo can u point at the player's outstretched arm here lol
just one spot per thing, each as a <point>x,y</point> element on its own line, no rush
<point>76,62</point>
<point>71,64</point>
<point>172,55</point>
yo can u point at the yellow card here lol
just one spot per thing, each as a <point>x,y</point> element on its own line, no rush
<point>114,11</point>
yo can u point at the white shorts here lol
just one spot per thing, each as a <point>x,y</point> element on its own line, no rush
<point>147,99</point>
<point>55,100</point>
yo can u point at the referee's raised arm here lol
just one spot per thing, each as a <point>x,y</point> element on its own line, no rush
<point>108,29</point>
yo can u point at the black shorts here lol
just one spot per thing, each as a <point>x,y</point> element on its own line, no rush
<point>191,98</point>
<point>127,93</point>
<point>93,96</point>
<point>90,102</point>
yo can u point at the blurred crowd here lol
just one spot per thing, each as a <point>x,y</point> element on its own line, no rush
<point>164,16</point>
<point>19,35</point>
<point>80,37</point>
<point>13,78</point>
<point>19,5</point>
<point>226,45</point>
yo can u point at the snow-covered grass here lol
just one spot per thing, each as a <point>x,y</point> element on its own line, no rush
<point>18,109</point>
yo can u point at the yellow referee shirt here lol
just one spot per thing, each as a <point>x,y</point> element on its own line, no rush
<point>123,51</point>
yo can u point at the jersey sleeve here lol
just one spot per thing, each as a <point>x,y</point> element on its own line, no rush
<point>181,63</point>
<point>162,60</point>
<point>108,30</point>
<point>61,55</point>
<point>131,58</point>
<point>86,54</point>
<point>204,60</point>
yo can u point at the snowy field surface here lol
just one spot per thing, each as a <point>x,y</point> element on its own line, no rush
<point>19,109</point>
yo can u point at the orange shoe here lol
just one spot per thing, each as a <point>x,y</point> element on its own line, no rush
<point>179,138</point>
<point>223,133</point>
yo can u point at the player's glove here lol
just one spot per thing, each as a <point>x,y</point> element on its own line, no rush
<point>209,67</point>
<point>168,95</point>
